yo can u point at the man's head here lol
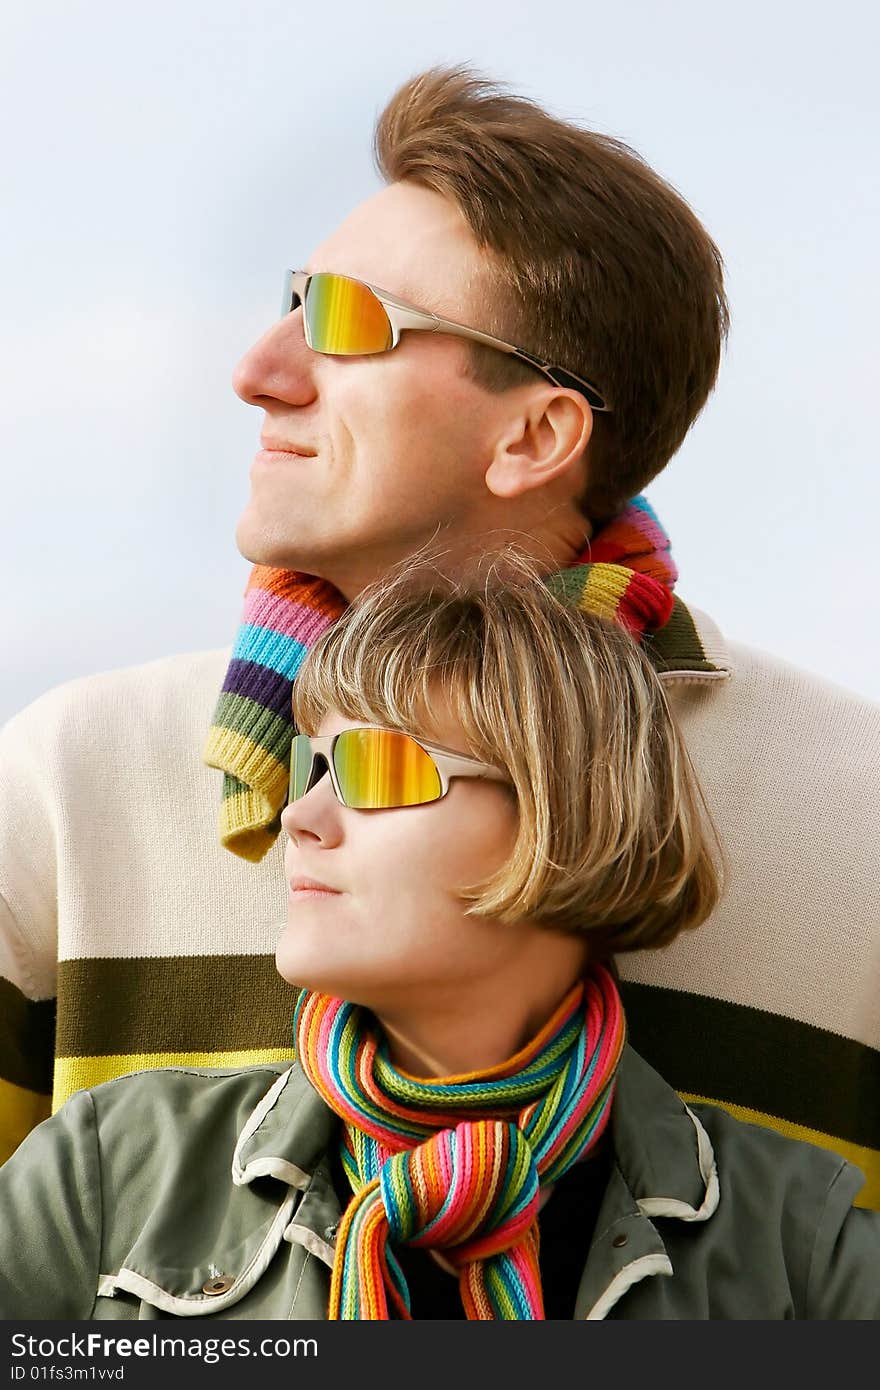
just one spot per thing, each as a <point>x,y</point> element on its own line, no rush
<point>499,216</point>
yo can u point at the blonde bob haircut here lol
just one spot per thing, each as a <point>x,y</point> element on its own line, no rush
<point>613,836</point>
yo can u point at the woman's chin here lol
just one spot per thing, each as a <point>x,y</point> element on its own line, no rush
<point>305,969</point>
<point>292,964</point>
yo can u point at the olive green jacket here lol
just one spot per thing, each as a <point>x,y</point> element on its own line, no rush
<point>204,1193</point>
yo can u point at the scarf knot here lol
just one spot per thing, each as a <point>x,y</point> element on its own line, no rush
<point>471,1191</point>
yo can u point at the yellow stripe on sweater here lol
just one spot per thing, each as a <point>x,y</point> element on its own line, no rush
<point>866,1159</point>
<point>20,1111</point>
<point>82,1073</point>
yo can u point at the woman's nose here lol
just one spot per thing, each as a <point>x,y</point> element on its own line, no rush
<point>279,366</point>
<point>315,817</point>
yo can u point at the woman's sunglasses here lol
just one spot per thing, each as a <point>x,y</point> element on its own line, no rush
<point>375,769</point>
<point>345,317</point>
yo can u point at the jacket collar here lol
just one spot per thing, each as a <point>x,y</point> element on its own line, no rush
<point>664,1167</point>
<point>661,1150</point>
<point>287,1135</point>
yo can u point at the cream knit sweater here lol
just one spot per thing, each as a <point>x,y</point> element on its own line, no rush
<point>117,900</point>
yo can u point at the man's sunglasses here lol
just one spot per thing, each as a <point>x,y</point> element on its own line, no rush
<point>349,318</point>
<point>374,769</point>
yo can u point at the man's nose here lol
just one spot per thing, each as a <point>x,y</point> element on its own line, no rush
<point>279,366</point>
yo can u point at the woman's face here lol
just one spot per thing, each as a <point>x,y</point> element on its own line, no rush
<point>392,932</point>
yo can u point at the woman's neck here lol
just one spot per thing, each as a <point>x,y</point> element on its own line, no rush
<point>460,1035</point>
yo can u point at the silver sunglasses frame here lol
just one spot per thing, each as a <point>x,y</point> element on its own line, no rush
<point>448,763</point>
<point>406,316</point>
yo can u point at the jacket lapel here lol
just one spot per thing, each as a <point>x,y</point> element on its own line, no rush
<point>664,1167</point>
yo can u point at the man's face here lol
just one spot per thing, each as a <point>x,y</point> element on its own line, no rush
<point>377,452</point>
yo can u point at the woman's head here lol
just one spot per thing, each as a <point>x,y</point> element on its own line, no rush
<point>599,836</point>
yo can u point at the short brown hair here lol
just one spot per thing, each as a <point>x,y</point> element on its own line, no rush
<point>596,263</point>
<point>613,837</point>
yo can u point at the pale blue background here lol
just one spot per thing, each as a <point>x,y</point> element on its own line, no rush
<point>163,163</point>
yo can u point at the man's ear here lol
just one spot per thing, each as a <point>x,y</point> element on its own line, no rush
<point>541,442</point>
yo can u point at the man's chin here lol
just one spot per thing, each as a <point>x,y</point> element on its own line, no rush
<point>261,545</point>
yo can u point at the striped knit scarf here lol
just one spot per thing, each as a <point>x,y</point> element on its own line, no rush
<point>627,572</point>
<point>456,1165</point>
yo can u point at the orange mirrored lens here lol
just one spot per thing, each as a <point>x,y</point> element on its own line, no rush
<point>378,768</point>
<point>344,317</point>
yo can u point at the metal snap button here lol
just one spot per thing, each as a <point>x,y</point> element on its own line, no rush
<point>330,1231</point>
<point>220,1285</point>
<point>618,1241</point>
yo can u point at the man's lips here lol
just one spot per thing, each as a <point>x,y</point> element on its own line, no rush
<point>274,460</point>
<point>280,446</point>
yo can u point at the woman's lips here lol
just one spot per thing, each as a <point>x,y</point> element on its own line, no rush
<point>304,888</point>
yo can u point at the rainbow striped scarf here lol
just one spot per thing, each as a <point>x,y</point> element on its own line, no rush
<point>456,1164</point>
<point>627,572</point>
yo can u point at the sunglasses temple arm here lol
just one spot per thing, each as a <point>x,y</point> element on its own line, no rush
<point>451,766</point>
<point>557,375</point>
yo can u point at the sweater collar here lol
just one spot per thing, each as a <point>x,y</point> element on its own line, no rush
<point>690,648</point>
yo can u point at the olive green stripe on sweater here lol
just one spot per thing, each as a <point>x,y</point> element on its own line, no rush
<point>172,1004</point>
<point>743,1056</point>
<point>701,1046</point>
